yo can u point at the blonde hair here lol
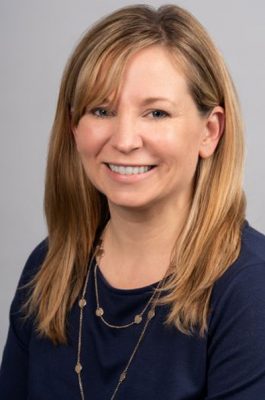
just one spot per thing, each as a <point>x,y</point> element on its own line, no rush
<point>76,211</point>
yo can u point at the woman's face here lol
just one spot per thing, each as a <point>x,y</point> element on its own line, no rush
<point>144,151</point>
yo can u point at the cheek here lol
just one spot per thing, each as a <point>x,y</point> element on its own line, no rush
<point>179,145</point>
<point>88,141</point>
<point>181,152</point>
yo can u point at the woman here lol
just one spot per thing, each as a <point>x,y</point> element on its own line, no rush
<point>150,284</point>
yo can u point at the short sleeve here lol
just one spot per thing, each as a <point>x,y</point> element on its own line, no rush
<point>236,340</point>
<point>14,366</point>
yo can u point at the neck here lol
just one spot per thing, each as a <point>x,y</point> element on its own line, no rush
<point>138,244</point>
<point>144,231</point>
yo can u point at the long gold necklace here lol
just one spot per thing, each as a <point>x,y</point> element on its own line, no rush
<point>82,303</point>
<point>100,311</point>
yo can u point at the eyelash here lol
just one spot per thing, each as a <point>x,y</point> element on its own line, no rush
<point>100,109</point>
<point>164,114</point>
<point>109,113</point>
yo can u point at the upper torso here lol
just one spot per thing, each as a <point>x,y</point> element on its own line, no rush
<point>168,365</point>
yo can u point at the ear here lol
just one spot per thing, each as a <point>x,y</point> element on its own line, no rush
<point>213,131</point>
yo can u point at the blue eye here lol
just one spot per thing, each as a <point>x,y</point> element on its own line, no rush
<point>158,114</point>
<point>101,112</point>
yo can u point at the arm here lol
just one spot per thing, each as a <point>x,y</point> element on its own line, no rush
<point>15,362</point>
<point>14,368</point>
<point>236,346</point>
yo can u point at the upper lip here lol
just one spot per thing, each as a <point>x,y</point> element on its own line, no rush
<point>130,165</point>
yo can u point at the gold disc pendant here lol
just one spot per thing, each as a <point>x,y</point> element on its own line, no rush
<point>82,303</point>
<point>138,319</point>
<point>99,312</point>
<point>78,368</point>
<point>151,314</point>
<point>122,376</point>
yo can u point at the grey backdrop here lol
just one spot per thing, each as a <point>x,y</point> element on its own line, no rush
<point>36,37</point>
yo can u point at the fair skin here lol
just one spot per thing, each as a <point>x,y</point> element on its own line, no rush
<point>156,129</point>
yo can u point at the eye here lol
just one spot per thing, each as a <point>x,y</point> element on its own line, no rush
<point>101,112</point>
<point>158,114</point>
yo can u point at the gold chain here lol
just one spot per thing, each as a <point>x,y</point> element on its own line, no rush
<point>82,303</point>
<point>100,311</point>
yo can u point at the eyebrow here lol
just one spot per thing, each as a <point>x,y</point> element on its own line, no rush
<point>150,100</point>
<point>147,101</point>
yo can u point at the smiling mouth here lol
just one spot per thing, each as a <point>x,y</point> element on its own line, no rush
<point>129,169</point>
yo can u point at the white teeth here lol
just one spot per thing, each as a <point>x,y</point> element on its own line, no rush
<point>128,170</point>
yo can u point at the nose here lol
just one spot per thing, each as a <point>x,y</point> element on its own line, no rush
<point>126,136</point>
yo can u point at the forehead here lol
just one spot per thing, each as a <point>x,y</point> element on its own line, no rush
<point>152,73</point>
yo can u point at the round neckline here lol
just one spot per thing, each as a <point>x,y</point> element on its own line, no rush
<point>119,291</point>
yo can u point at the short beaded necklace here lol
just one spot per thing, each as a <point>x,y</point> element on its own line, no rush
<point>152,302</point>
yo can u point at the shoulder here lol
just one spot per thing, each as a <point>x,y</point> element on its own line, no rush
<point>236,330</point>
<point>243,283</point>
<point>252,245</point>
<point>38,253</point>
<point>34,261</point>
<point>31,267</point>
<point>19,327</point>
<point>249,266</point>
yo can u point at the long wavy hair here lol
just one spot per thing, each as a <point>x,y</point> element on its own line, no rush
<point>76,211</point>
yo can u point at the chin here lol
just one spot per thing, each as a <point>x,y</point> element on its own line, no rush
<point>130,203</point>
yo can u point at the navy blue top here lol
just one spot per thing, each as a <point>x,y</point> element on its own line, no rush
<point>228,364</point>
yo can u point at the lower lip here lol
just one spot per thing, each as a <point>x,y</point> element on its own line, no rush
<point>128,178</point>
